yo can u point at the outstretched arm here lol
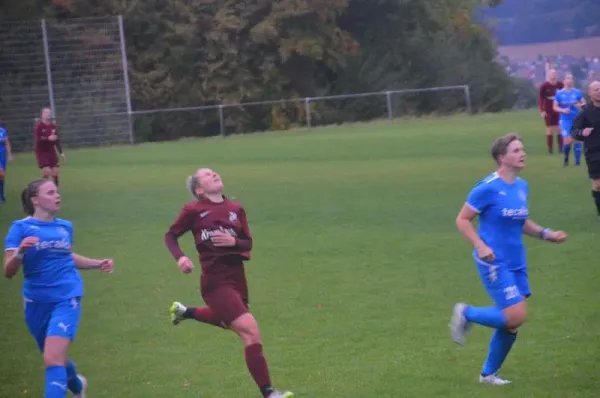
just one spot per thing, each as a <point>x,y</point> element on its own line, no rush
<point>532,229</point>
<point>82,262</point>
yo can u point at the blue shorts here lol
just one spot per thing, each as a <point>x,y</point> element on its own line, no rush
<point>3,160</point>
<point>505,287</point>
<point>53,319</point>
<point>565,127</point>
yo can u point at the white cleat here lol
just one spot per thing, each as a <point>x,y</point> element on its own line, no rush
<point>493,380</point>
<point>84,385</point>
<point>279,394</point>
<point>176,311</point>
<point>459,326</point>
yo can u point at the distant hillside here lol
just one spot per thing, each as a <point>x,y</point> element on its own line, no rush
<point>588,47</point>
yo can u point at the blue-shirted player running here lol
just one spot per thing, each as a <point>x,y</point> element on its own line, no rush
<point>500,200</point>
<point>5,158</point>
<point>52,288</point>
<point>568,102</point>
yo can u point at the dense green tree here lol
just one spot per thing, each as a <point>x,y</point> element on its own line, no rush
<point>205,52</point>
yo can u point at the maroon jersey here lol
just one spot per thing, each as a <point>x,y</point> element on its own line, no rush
<point>546,96</point>
<point>42,144</point>
<point>204,218</point>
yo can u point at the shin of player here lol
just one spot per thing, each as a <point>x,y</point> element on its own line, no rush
<point>5,158</point>
<point>586,129</point>
<point>547,92</point>
<point>222,237</point>
<point>41,245</point>
<point>567,103</point>
<point>500,201</point>
<point>47,143</point>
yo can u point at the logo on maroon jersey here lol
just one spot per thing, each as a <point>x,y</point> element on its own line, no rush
<point>207,234</point>
<point>232,216</point>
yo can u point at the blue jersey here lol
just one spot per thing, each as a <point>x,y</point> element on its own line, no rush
<point>48,267</point>
<point>503,210</point>
<point>3,138</point>
<point>568,99</point>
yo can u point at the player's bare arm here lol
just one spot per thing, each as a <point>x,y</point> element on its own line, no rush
<point>558,109</point>
<point>532,229</point>
<point>104,265</point>
<point>464,223</point>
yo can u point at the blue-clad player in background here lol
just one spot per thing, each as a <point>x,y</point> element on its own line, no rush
<point>500,201</point>
<point>5,158</point>
<point>41,244</point>
<point>567,102</point>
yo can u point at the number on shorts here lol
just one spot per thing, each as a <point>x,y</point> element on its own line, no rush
<point>511,292</point>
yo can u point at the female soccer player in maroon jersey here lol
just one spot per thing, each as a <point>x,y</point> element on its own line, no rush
<point>46,145</point>
<point>223,241</point>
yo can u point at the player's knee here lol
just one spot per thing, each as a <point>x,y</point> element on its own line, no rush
<point>596,185</point>
<point>1,174</point>
<point>515,315</point>
<point>247,328</point>
<point>54,357</point>
<point>54,172</point>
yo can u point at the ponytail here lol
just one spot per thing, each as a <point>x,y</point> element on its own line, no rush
<point>192,185</point>
<point>30,192</point>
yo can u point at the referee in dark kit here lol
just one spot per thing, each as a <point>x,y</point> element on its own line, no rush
<point>586,128</point>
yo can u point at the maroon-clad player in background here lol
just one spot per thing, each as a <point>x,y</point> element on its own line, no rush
<point>547,92</point>
<point>223,241</point>
<point>46,145</point>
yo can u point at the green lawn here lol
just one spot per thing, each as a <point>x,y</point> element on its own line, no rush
<point>357,264</point>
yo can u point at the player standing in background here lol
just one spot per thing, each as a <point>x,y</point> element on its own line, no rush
<point>223,241</point>
<point>586,128</point>
<point>5,158</point>
<point>567,102</point>
<point>500,200</point>
<point>41,244</point>
<point>547,92</point>
<point>47,143</point>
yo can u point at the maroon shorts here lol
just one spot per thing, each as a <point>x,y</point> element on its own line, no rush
<point>46,159</point>
<point>551,119</point>
<point>227,298</point>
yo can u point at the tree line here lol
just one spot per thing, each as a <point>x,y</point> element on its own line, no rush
<point>186,53</point>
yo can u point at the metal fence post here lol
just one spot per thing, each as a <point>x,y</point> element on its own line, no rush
<point>48,68</point>
<point>388,99</point>
<point>222,120</point>
<point>468,99</point>
<point>126,79</point>
<point>307,111</point>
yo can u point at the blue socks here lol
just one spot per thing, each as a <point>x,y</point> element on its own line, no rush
<point>487,316</point>
<point>502,340</point>
<point>74,382</point>
<point>56,382</point>
<point>500,345</point>
<point>577,148</point>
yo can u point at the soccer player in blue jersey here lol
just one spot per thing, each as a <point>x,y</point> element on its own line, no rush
<point>500,201</point>
<point>567,102</point>
<point>5,157</point>
<point>41,244</point>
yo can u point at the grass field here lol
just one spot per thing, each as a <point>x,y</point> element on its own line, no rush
<point>357,264</point>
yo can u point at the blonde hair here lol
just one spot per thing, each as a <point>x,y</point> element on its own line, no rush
<point>192,184</point>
